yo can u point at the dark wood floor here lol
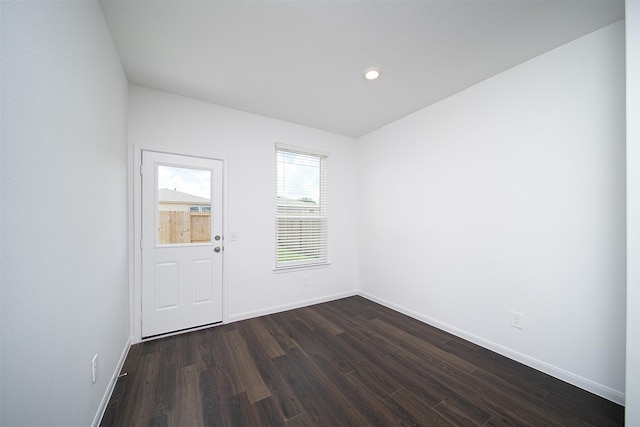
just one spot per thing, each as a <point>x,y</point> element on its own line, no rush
<point>346,362</point>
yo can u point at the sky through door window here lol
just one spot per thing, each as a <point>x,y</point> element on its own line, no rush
<point>301,208</point>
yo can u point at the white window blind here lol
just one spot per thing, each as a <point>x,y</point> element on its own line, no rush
<point>301,209</point>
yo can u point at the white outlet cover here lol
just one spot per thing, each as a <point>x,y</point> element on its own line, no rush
<point>94,368</point>
<point>517,319</point>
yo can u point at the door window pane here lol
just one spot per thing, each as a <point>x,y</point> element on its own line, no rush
<point>184,205</point>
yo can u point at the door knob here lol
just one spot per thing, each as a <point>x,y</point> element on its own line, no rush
<point>216,249</point>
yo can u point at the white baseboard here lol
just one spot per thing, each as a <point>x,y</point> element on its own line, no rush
<point>291,306</point>
<point>112,383</point>
<point>576,380</point>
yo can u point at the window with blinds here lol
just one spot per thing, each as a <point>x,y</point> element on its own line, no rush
<point>301,208</point>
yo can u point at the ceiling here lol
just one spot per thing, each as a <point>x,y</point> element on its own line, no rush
<point>303,61</point>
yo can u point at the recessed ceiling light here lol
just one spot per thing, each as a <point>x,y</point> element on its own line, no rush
<point>372,73</point>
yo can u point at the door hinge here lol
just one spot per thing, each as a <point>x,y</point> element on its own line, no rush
<point>141,173</point>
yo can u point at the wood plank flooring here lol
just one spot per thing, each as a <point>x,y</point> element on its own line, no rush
<point>349,362</point>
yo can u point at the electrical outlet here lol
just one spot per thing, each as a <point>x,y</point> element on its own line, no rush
<point>517,320</point>
<point>306,280</point>
<point>94,368</point>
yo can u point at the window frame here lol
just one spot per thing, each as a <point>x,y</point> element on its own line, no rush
<point>322,214</point>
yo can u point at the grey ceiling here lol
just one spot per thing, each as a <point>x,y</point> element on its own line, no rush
<point>302,61</point>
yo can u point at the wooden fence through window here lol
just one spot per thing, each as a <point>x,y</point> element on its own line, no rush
<point>184,227</point>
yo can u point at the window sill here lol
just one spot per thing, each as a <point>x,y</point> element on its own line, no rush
<point>300,267</point>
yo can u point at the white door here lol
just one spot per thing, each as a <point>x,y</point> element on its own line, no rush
<point>181,242</point>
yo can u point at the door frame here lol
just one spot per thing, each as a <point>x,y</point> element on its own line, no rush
<point>135,230</point>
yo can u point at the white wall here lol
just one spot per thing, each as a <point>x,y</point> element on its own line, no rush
<point>632,395</point>
<point>247,142</point>
<point>510,196</point>
<point>64,212</point>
